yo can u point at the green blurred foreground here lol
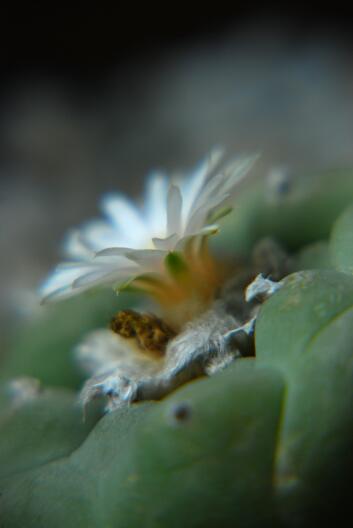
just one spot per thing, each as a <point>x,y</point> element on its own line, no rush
<point>266,442</point>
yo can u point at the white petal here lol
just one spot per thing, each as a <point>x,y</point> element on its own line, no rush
<point>113,251</point>
<point>98,234</point>
<point>209,192</point>
<point>199,217</point>
<point>62,277</point>
<point>147,258</point>
<point>59,295</point>
<point>217,192</point>
<point>237,171</point>
<point>192,188</point>
<point>224,182</point>
<point>102,276</point>
<point>156,199</point>
<point>167,243</point>
<point>76,265</point>
<point>125,218</point>
<point>174,206</point>
<point>205,231</point>
<point>75,247</point>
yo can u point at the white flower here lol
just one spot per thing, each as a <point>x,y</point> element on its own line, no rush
<point>131,242</point>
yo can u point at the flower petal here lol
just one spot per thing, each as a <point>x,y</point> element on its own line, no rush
<point>59,295</point>
<point>125,218</point>
<point>192,188</point>
<point>199,217</point>
<point>113,252</point>
<point>174,207</point>
<point>156,199</point>
<point>225,182</point>
<point>235,172</point>
<point>62,277</point>
<point>167,243</point>
<point>108,276</point>
<point>98,234</point>
<point>75,247</point>
<point>147,258</point>
<point>205,231</point>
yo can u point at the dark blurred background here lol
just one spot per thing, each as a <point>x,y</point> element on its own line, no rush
<point>91,99</point>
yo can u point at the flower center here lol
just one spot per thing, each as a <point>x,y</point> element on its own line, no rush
<point>186,285</point>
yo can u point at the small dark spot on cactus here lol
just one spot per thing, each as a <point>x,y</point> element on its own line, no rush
<point>280,183</point>
<point>181,412</point>
<point>284,186</point>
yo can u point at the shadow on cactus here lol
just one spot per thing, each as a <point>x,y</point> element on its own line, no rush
<point>218,383</point>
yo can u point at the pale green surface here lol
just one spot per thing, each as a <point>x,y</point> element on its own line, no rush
<point>44,348</point>
<point>43,429</point>
<point>140,467</point>
<point>268,441</point>
<point>306,331</point>
<point>314,256</point>
<point>341,244</point>
<point>304,215</point>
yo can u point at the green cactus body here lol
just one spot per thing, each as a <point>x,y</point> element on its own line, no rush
<point>265,442</point>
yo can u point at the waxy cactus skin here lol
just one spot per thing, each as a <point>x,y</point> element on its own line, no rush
<point>266,442</point>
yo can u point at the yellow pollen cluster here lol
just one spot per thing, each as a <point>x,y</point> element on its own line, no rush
<point>150,332</point>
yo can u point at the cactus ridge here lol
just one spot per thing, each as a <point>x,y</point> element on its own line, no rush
<point>266,441</point>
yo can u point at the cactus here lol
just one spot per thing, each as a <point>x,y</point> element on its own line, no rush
<point>265,441</point>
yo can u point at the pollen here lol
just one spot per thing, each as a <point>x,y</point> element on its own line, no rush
<point>151,333</point>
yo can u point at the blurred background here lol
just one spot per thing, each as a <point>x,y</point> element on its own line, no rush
<point>92,100</point>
